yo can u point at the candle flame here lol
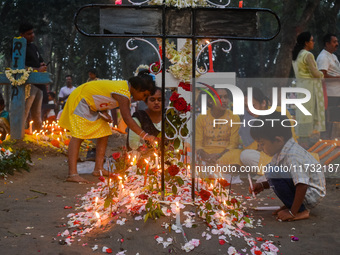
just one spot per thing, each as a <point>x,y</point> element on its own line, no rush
<point>96,200</point>
<point>223,214</point>
<point>132,195</point>
<point>97,215</point>
<point>177,204</point>
<point>120,178</point>
<point>207,41</point>
<point>155,154</point>
<point>31,121</point>
<point>146,161</point>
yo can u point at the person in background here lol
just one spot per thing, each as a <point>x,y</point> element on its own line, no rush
<point>51,116</point>
<point>92,73</point>
<point>300,188</point>
<point>150,119</point>
<point>251,155</point>
<point>308,77</point>
<point>4,120</point>
<point>329,65</point>
<point>65,91</point>
<point>218,145</point>
<point>33,104</point>
<point>86,116</point>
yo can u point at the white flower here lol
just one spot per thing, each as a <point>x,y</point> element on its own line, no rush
<point>232,251</point>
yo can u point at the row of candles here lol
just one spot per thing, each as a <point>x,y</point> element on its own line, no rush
<point>49,131</point>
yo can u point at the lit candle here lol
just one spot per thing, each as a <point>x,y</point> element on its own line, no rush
<point>160,51</point>
<point>240,4</point>
<point>31,126</point>
<point>211,67</point>
<point>99,222</point>
<point>146,171</point>
<point>222,216</point>
<point>121,190</point>
<point>178,215</point>
<point>156,160</point>
<point>132,199</point>
<point>96,201</point>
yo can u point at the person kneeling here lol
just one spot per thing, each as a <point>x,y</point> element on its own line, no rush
<point>289,173</point>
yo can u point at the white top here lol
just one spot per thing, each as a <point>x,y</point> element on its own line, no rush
<point>51,112</point>
<point>65,91</point>
<point>330,63</point>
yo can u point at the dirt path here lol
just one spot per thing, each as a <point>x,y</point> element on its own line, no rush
<point>30,221</point>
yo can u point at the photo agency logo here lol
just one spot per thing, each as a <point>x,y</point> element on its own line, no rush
<point>239,106</point>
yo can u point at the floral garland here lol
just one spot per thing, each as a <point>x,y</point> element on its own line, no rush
<point>180,3</point>
<point>25,74</point>
<point>181,67</point>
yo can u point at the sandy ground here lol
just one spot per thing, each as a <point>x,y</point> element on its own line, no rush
<point>31,221</point>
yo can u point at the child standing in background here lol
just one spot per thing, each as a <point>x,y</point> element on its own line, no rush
<point>51,116</point>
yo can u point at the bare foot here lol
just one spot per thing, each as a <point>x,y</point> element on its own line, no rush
<point>301,215</point>
<point>104,172</point>
<point>76,178</point>
<point>278,210</point>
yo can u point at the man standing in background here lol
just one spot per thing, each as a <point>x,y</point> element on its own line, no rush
<point>329,65</point>
<point>66,90</point>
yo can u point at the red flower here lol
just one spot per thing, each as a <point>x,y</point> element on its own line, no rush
<point>258,252</point>
<point>180,104</point>
<point>221,241</point>
<point>205,195</point>
<point>185,86</point>
<point>102,178</point>
<point>174,96</point>
<point>143,196</point>
<point>188,108</point>
<point>155,67</point>
<point>173,170</point>
<point>224,183</point>
<point>233,201</point>
<point>116,155</point>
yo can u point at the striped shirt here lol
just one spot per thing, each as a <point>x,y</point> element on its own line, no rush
<point>302,168</point>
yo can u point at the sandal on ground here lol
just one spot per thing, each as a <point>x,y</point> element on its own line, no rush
<point>76,178</point>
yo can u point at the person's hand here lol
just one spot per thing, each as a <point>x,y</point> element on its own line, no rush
<point>150,139</point>
<point>42,69</point>
<point>284,215</point>
<point>258,187</point>
<point>105,116</point>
